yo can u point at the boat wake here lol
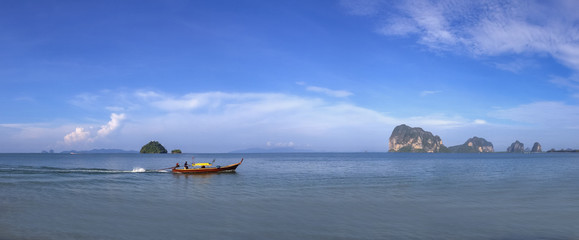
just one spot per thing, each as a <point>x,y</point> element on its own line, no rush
<point>45,170</point>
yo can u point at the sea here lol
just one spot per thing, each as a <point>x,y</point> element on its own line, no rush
<point>291,196</point>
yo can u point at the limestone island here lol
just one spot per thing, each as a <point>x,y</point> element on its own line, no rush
<point>537,148</point>
<point>473,145</point>
<point>518,147</point>
<point>408,139</point>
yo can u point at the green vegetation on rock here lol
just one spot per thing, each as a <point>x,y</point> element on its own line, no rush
<point>153,147</point>
<point>176,151</point>
<point>444,149</point>
<point>473,145</point>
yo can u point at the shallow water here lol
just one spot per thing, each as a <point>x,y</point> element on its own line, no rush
<point>291,196</point>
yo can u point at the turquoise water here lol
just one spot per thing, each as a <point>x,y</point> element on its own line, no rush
<point>291,196</point>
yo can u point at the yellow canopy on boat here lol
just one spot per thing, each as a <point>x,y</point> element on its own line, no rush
<point>202,164</point>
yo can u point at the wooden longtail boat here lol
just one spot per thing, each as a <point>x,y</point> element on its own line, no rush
<point>210,169</point>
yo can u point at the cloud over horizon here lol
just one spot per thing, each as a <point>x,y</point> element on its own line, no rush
<point>82,136</point>
<point>223,122</point>
<point>245,120</point>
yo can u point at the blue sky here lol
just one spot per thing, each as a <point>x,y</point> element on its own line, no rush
<point>217,76</point>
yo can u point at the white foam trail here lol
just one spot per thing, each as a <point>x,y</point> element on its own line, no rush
<point>135,170</point>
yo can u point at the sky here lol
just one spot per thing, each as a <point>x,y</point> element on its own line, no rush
<point>219,76</point>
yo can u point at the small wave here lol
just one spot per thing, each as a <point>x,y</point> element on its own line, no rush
<point>139,170</point>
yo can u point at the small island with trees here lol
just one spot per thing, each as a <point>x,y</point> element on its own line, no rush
<point>153,147</point>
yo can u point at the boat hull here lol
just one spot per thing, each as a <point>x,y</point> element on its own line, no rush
<point>228,168</point>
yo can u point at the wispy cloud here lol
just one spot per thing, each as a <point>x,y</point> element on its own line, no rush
<point>438,121</point>
<point>571,82</point>
<point>329,92</point>
<point>280,144</point>
<point>515,66</point>
<point>483,28</point>
<point>428,92</point>
<point>542,114</point>
<point>146,94</point>
<point>85,100</point>
<point>326,91</point>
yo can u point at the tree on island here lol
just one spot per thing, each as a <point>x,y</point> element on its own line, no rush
<point>153,147</point>
<point>176,151</point>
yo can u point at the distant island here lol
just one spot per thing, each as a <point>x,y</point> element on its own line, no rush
<point>516,147</point>
<point>537,147</point>
<point>96,151</point>
<point>474,145</point>
<point>270,150</point>
<point>409,139</point>
<point>564,150</point>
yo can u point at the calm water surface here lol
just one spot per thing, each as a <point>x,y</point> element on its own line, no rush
<point>291,196</point>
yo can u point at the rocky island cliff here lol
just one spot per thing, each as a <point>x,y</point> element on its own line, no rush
<point>473,145</point>
<point>408,139</point>
<point>519,147</point>
<point>516,147</point>
<point>536,148</point>
<point>415,139</point>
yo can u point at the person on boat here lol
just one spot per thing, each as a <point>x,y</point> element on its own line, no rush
<point>177,165</point>
<point>186,166</point>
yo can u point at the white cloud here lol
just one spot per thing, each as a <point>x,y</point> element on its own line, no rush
<point>438,121</point>
<point>480,121</point>
<point>112,125</point>
<point>184,104</point>
<point>79,135</point>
